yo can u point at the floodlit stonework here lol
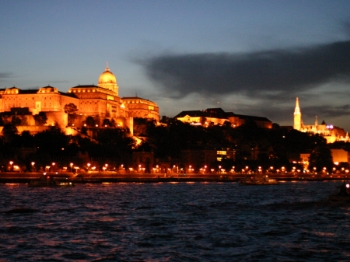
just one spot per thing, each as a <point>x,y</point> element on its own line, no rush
<point>329,132</point>
<point>102,103</point>
<point>217,116</point>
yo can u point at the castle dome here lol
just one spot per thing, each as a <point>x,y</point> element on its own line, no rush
<point>107,77</point>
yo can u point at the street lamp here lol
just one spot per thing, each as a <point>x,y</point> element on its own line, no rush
<point>71,167</point>
<point>33,164</point>
<point>11,165</point>
<point>233,169</point>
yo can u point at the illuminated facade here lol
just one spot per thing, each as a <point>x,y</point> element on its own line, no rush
<point>217,116</point>
<point>329,132</point>
<point>141,108</point>
<point>100,102</point>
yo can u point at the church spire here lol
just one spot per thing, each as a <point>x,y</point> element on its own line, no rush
<point>297,115</point>
<point>297,108</point>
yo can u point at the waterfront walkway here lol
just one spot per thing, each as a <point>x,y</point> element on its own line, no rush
<point>111,177</point>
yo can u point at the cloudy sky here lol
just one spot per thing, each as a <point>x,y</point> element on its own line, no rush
<point>247,57</point>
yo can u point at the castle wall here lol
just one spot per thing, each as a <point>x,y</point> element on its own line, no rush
<point>99,102</point>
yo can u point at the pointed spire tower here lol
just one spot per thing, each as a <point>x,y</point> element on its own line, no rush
<point>297,116</point>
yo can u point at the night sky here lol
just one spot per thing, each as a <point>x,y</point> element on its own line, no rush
<point>247,57</point>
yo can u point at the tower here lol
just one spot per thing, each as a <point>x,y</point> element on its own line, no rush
<point>297,116</point>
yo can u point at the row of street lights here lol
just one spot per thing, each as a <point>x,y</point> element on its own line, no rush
<point>189,169</point>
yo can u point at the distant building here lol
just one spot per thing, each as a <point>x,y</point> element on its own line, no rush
<point>205,157</point>
<point>340,156</point>
<point>217,116</point>
<point>329,132</point>
<point>101,102</point>
<point>141,108</point>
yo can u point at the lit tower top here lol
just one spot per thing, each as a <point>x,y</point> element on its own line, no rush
<point>108,80</point>
<point>297,115</point>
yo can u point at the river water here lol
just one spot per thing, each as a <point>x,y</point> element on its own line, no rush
<point>173,222</point>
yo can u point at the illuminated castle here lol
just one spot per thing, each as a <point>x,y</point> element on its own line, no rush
<point>329,132</point>
<point>101,103</point>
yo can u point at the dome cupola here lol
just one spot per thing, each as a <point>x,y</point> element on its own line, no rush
<point>108,80</point>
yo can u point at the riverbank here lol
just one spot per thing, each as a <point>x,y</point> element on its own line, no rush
<point>109,177</point>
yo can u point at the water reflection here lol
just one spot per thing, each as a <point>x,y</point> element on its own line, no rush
<point>174,222</point>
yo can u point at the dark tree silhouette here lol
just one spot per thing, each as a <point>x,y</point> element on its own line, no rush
<point>321,157</point>
<point>16,121</point>
<point>40,119</point>
<point>90,121</point>
<point>70,109</point>
<point>9,132</point>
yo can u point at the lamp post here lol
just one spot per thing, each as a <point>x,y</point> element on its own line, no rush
<point>71,167</point>
<point>233,169</point>
<point>11,165</point>
<point>33,166</point>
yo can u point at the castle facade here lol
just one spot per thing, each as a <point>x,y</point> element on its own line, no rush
<point>100,102</point>
<point>329,132</point>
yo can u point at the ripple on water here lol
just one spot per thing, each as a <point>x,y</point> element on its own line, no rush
<point>173,222</point>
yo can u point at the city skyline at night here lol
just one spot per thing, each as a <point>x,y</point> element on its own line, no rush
<point>250,57</point>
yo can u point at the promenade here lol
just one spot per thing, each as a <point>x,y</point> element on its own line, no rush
<point>112,177</point>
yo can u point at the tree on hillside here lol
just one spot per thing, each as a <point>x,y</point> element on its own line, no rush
<point>90,121</point>
<point>40,119</point>
<point>70,109</point>
<point>113,144</point>
<point>106,122</point>
<point>9,132</point>
<point>321,157</point>
<point>16,121</point>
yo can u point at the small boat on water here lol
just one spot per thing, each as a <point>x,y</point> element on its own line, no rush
<point>258,180</point>
<point>343,194</point>
<point>47,181</point>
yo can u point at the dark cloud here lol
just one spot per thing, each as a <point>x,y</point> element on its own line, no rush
<point>4,76</point>
<point>266,72</point>
<point>327,111</point>
<point>59,81</point>
<point>347,27</point>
